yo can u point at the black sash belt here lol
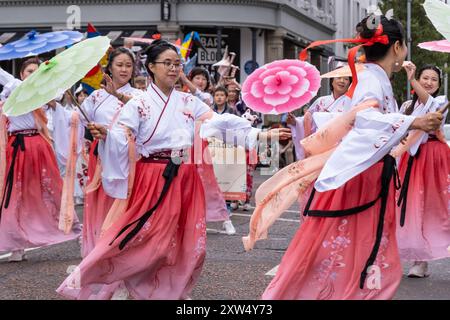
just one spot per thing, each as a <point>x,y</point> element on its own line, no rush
<point>389,172</point>
<point>403,198</point>
<point>96,149</point>
<point>19,142</point>
<point>170,172</point>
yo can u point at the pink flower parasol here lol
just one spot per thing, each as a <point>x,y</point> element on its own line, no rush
<point>438,46</point>
<point>281,86</point>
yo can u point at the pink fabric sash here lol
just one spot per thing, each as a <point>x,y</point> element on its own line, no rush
<point>3,143</point>
<point>97,177</point>
<point>278,193</point>
<point>66,214</point>
<point>41,123</point>
<point>307,123</point>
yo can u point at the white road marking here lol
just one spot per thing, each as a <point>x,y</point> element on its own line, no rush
<point>216,231</point>
<point>279,219</point>
<point>26,250</point>
<point>272,272</point>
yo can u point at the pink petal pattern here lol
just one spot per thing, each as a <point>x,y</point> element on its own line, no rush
<point>281,86</point>
<point>437,46</point>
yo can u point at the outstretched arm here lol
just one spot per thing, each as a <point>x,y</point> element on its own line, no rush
<point>410,69</point>
<point>233,128</point>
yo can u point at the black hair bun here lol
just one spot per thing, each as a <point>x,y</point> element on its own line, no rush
<point>159,43</point>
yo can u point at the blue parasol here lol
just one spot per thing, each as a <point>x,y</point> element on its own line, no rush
<point>34,43</point>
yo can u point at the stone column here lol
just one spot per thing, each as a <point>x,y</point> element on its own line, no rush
<point>169,31</point>
<point>274,51</point>
<point>275,45</point>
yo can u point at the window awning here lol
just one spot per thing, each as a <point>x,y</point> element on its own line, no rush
<point>114,33</point>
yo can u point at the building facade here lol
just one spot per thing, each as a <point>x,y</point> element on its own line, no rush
<point>348,14</point>
<point>258,31</point>
<point>261,30</point>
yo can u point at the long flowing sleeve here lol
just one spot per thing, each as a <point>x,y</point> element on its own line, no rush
<point>5,77</point>
<point>322,118</point>
<point>113,152</point>
<point>205,97</point>
<point>88,106</point>
<point>432,105</point>
<point>375,131</point>
<point>372,137</point>
<point>316,105</point>
<point>9,83</point>
<point>61,129</point>
<point>231,129</point>
<point>62,126</point>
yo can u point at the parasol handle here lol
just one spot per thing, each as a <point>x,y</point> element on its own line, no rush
<point>442,111</point>
<point>78,106</point>
<point>233,70</point>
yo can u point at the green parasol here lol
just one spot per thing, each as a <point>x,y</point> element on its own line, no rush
<point>55,76</point>
<point>439,14</point>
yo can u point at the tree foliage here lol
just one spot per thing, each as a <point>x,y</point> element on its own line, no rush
<point>422,30</point>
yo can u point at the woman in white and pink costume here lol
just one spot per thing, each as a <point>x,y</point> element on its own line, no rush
<point>31,184</point>
<point>424,200</point>
<point>346,247</point>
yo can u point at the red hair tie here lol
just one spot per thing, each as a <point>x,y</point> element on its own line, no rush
<point>378,37</point>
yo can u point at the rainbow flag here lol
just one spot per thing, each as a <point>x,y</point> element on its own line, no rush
<point>93,78</point>
<point>188,42</point>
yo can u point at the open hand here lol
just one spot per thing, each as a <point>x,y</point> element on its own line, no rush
<point>183,77</point>
<point>109,86</point>
<point>410,69</point>
<point>279,134</point>
<point>428,122</point>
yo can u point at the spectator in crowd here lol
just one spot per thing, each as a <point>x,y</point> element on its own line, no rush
<point>198,82</point>
<point>234,96</point>
<point>140,83</point>
<point>220,101</point>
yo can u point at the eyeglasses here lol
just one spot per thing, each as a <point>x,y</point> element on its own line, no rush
<point>168,65</point>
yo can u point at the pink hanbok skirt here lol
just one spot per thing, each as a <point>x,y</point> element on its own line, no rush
<point>96,206</point>
<point>32,216</point>
<point>164,260</point>
<point>426,233</point>
<point>327,254</point>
